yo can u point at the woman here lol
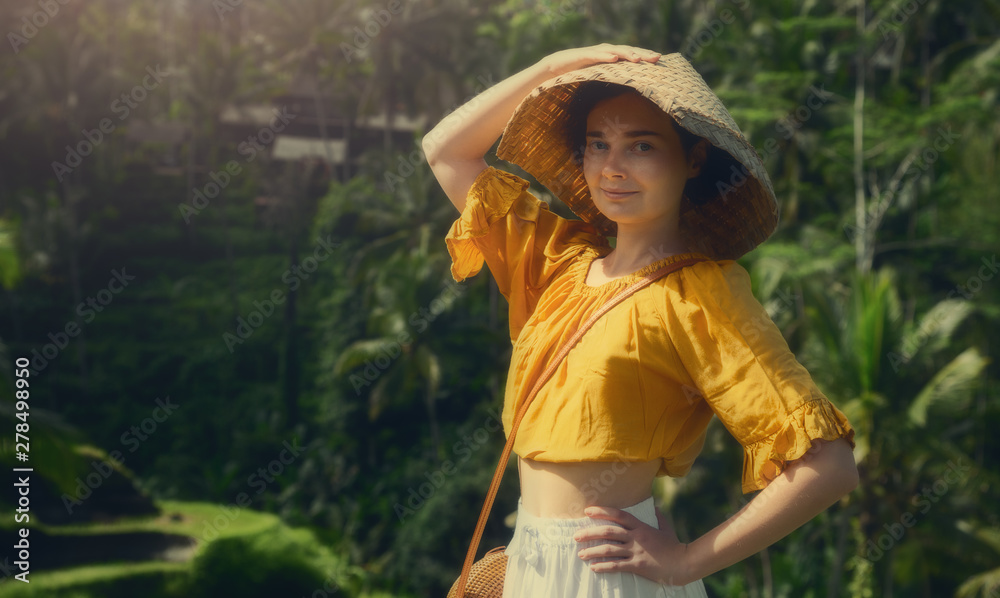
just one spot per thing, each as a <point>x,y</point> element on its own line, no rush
<point>664,170</point>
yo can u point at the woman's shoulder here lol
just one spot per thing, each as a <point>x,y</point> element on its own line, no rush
<point>719,286</point>
<point>711,278</point>
<point>712,271</point>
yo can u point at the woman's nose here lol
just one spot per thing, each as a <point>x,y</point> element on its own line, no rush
<point>612,167</point>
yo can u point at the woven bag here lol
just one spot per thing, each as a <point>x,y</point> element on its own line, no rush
<point>485,576</point>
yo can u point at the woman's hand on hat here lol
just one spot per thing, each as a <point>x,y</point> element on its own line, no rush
<point>638,548</point>
<point>565,61</point>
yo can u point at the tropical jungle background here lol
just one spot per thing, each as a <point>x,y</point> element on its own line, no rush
<point>231,341</point>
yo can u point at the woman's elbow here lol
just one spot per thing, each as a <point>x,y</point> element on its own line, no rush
<point>851,477</point>
<point>842,467</point>
<point>430,149</point>
<point>832,464</point>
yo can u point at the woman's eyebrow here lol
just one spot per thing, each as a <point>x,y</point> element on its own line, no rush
<point>640,133</point>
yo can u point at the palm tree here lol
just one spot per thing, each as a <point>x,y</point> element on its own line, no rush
<point>399,272</point>
<point>895,380</point>
<point>987,583</point>
<point>59,86</point>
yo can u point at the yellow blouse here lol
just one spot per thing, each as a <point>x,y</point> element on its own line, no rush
<point>644,382</point>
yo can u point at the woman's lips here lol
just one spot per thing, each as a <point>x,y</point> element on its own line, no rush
<point>617,194</point>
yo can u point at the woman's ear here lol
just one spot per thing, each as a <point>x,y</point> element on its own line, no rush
<point>697,157</point>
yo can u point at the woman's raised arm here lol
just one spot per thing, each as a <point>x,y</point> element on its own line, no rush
<point>456,146</point>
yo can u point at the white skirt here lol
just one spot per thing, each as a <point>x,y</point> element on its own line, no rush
<point>542,562</point>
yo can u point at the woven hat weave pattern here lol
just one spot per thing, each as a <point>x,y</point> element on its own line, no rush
<point>741,216</point>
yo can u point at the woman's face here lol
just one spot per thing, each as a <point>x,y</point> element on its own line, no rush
<point>634,163</point>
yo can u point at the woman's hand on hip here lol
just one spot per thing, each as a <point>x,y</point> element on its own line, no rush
<point>565,61</point>
<point>638,548</point>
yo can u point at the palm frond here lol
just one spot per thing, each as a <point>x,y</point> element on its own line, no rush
<point>360,352</point>
<point>934,329</point>
<point>430,368</point>
<point>952,385</point>
<point>984,585</point>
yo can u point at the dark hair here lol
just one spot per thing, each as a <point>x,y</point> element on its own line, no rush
<point>699,190</point>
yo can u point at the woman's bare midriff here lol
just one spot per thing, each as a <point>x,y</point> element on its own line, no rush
<point>564,490</point>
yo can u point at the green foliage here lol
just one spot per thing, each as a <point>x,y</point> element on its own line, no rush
<point>276,562</point>
<point>55,450</point>
<point>383,368</point>
<point>950,387</point>
<point>156,580</point>
<point>10,264</point>
<point>253,555</point>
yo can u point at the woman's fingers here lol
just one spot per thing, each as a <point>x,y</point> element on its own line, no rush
<point>602,532</point>
<point>635,53</point>
<point>617,538</point>
<point>632,53</point>
<point>617,543</point>
<point>569,60</point>
<point>614,552</point>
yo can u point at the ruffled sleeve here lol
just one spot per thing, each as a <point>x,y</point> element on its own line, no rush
<point>524,244</point>
<point>743,368</point>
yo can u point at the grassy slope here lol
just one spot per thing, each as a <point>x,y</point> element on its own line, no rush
<point>153,579</point>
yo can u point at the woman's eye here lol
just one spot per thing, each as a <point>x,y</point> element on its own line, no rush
<point>596,145</point>
<point>643,146</point>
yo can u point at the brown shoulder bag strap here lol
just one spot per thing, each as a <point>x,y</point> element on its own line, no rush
<point>509,446</point>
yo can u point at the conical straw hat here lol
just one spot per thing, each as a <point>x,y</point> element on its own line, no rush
<point>741,215</point>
